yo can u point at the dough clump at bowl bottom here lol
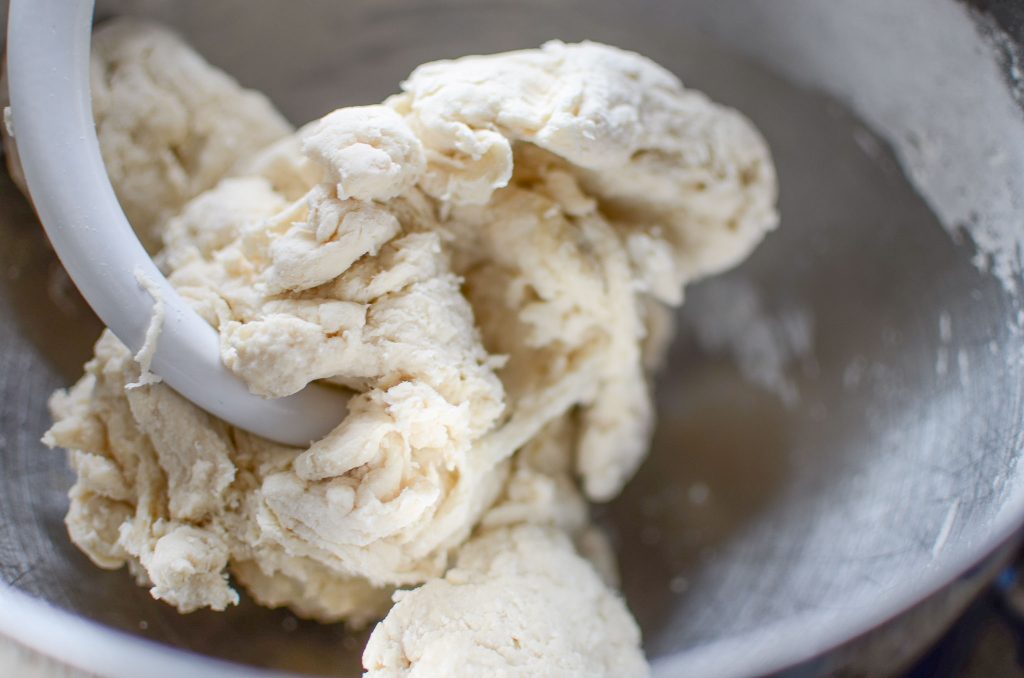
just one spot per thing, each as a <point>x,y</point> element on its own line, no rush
<point>488,261</point>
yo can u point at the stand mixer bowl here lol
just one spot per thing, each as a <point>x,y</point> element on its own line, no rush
<point>834,472</point>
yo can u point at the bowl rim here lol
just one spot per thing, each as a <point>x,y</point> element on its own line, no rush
<point>804,638</point>
<point>97,648</point>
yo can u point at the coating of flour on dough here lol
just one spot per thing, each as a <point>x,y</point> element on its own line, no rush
<point>488,261</point>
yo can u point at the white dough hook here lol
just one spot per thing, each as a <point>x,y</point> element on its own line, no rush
<point>48,70</point>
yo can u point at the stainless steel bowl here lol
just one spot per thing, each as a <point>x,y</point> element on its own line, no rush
<point>841,417</point>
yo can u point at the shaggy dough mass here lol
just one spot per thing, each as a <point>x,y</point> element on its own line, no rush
<point>487,261</point>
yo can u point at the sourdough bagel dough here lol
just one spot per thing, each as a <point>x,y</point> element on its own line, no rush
<point>487,261</point>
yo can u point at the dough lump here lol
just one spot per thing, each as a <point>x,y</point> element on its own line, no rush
<point>487,262</point>
<point>518,602</point>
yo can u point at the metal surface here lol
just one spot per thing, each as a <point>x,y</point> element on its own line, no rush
<point>782,512</point>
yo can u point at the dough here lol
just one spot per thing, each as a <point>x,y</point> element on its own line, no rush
<point>643,187</point>
<point>518,602</point>
<point>174,493</point>
<point>170,125</point>
<point>488,262</point>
